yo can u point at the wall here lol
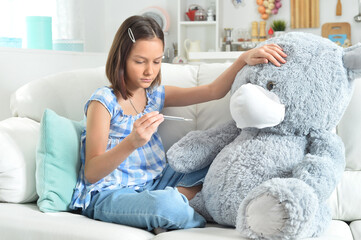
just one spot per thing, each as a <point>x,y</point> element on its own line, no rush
<point>117,11</point>
<point>95,29</point>
<point>103,18</point>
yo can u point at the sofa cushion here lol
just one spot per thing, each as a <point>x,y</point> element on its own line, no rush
<point>57,161</point>
<point>25,221</point>
<point>216,112</point>
<point>18,137</point>
<point>336,231</point>
<point>180,76</point>
<point>356,229</point>
<point>349,129</point>
<point>65,93</point>
<point>345,200</point>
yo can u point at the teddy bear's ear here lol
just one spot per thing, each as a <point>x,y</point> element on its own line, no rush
<point>352,59</point>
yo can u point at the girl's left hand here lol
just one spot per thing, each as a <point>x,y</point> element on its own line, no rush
<point>264,54</point>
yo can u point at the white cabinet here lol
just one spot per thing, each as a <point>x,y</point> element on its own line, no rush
<point>208,33</point>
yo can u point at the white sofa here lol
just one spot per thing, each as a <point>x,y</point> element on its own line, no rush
<point>66,93</point>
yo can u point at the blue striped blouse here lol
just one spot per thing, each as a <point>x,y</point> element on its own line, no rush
<point>143,165</point>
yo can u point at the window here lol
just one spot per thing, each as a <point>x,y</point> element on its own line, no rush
<point>65,32</point>
<point>13,17</point>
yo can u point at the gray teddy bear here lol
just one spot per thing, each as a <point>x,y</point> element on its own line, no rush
<point>272,169</point>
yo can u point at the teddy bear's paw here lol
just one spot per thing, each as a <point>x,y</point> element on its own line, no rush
<point>193,152</point>
<point>266,216</point>
<point>280,208</point>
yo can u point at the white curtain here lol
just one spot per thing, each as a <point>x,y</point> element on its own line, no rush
<point>69,20</point>
<point>10,26</point>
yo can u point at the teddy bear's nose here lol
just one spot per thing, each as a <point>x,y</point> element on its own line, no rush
<point>254,106</point>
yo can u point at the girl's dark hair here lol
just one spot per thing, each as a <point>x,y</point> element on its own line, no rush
<point>142,28</point>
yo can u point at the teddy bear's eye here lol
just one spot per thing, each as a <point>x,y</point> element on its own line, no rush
<point>270,85</point>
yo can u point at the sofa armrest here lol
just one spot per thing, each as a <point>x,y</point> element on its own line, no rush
<point>18,139</point>
<point>66,93</point>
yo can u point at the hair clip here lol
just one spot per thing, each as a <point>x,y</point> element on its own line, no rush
<point>131,36</point>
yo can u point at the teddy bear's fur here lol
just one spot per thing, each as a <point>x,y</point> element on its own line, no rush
<point>273,182</point>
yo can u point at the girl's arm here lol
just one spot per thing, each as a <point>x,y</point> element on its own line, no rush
<point>99,162</point>
<point>176,96</point>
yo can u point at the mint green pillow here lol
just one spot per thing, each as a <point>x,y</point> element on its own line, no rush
<point>57,161</point>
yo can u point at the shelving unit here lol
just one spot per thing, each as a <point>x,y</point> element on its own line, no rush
<point>205,31</point>
<point>208,32</point>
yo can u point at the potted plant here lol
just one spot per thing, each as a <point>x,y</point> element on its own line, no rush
<point>279,27</point>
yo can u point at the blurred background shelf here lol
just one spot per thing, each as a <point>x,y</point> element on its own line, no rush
<point>198,23</point>
<point>214,55</point>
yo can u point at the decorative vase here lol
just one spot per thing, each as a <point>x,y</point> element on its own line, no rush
<point>279,33</point>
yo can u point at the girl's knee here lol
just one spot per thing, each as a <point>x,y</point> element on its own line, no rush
<point>169,201</point>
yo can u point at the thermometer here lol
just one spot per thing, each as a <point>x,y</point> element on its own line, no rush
<point>176,118</point>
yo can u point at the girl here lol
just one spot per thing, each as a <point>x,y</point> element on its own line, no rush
<point>124,177</point>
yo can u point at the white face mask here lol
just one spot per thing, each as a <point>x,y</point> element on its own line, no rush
<point>254,106</point>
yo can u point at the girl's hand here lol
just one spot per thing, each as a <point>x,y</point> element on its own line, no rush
<point>267,53</point>
<point>144,127</point>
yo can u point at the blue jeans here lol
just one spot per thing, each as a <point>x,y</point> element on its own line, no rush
<point>157,204</point>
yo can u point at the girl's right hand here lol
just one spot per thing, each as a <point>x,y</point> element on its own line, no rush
<point>264,54</point>
<point>144,127</point>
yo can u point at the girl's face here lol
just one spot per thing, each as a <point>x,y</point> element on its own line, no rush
<point>143,63</point>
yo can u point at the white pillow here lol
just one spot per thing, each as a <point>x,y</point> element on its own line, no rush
<point>18,139</point>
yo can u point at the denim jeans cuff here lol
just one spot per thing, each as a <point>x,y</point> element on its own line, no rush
<point>194,178</point>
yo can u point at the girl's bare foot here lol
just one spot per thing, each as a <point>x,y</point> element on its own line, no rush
<point>190,192</point>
